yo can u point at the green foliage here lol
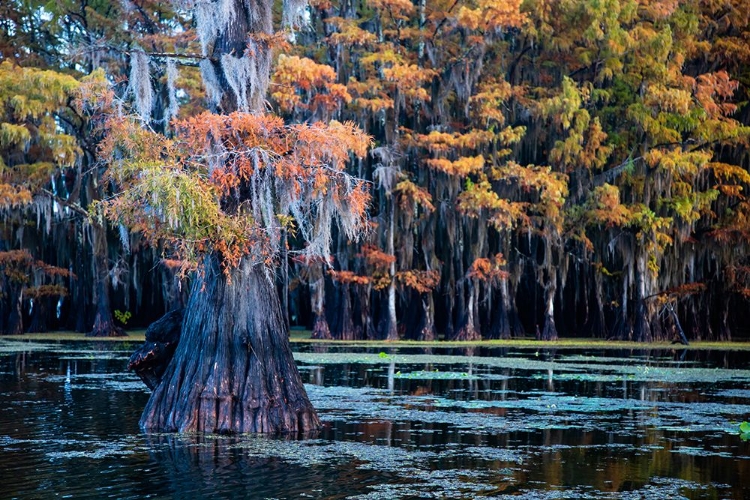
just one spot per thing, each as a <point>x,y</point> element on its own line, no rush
<point>32,142</point>
<point>122,317</point>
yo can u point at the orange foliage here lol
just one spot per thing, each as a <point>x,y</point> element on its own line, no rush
<point>420,281</point>
<point>713,91</point>
<point>491,15</point>
<point>409,194</point>
<point>20,267</point>
<point>16,257</point>
<point>349,277</point>
<point>605,207</point>
<point>46,291</point>
<point>377,258</point>
<point>399,9</point>
<point>303,84</point>
<point>349,33</point>
<point>182,191</point>
<point>409,79</point>
<point>657,9</point>
<point>488,270</point>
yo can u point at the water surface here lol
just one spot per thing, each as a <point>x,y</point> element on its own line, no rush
<point>399,423</point>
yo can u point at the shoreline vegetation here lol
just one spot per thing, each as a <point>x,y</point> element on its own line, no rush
<point>303,337</point>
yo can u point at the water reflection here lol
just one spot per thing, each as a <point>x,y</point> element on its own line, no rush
<point>401,423</point>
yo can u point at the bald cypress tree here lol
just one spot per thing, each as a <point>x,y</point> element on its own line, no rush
<point>221,191</point>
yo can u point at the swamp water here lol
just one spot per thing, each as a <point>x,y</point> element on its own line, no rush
<point>402,423</point>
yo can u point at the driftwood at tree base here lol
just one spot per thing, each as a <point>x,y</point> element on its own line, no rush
<point>151,359</point>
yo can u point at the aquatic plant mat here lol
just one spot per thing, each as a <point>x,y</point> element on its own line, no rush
<point>400,422</point>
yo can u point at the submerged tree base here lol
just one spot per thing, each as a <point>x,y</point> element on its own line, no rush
<point>106,329</point>
<point>233,370</point>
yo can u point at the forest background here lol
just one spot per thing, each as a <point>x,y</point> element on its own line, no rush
<point>573,168</point>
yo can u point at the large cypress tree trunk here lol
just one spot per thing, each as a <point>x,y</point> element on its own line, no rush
<point>508,311</point>
<point>595,325</point>
<point>233,370</point>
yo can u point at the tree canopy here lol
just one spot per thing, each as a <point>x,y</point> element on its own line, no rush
<point>568,168</point>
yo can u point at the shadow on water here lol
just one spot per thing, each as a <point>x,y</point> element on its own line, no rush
<point>399,423</point>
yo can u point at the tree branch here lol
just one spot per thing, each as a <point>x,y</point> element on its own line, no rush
<point>75,208</point>
<point>175,55</point>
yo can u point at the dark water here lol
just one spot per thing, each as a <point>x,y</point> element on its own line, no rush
<point>408,423</point>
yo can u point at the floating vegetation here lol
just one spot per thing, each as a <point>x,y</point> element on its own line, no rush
<point>434,484</point>
<point>95,356</point>
<point>134,336</point>
<point>527,412</point>
<point>655,374</point>
<point>744,429</point>
<point>696,451</point>
<point>399,423</point>
<point>414,468</point>
<point>17,346</point>
<point>495,454</point>
<point>124,381</point>
<point>339,358</point>
<point>559,369</point>
<point>733,393</point>
<point>436,375</point>
<point>66,449</point>
<point>657,488</point>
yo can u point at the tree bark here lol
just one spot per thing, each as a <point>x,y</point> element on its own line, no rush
<point>15,318</point>
<point>501,326</point>
<point>233,370</point>
<point>623,329</point>
<point>595,325</point>
<point>345,326</point>
<point>104,322</point>
<point>390,331</point>
<point>549,332</point>
<point>427,325</point>
<point>151,360</point>
<point>642,325</point>
<point>40,317</point>
<point>321,330</point>
<point>468,330</point>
